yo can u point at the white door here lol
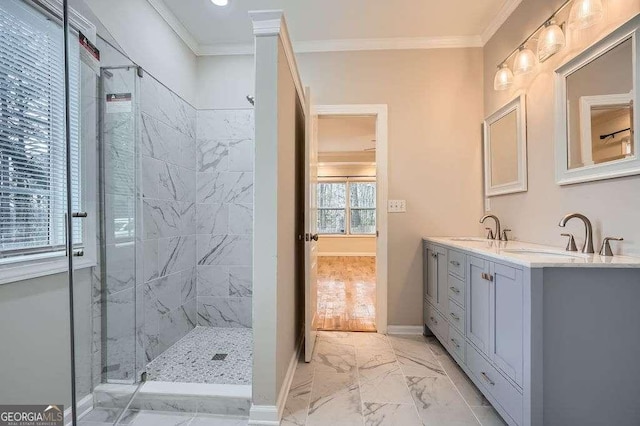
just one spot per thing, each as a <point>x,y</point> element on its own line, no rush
<point>310,226</point>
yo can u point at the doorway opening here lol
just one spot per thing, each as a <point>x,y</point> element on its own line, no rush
<point>347,223</point>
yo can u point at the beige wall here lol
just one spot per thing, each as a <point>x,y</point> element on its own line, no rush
<point>287,330</point>
<point>435,161</point>
<point>435,110</point>
<point>612,205</point>
<point>347,246</point>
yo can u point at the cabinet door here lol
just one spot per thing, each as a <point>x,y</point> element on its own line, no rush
<point>506,320</point>
<point>477,295</point>
<point>443,281</point>
<point>430,274</point>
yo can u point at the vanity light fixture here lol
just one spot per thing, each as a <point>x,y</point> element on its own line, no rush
<point>504,78</point>
<point>550,41</point>
<point>585,13</point>
<point>525,61</point>
<point>220,2</point>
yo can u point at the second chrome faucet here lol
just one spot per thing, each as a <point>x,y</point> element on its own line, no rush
<point>501,236</point>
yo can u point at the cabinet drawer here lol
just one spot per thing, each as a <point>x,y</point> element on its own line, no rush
<point>457,263</point>
<point>493,382</point>
<point>456,289</point>
<point>456,344</point>
<point>456,317</point>
<point>436,322</point>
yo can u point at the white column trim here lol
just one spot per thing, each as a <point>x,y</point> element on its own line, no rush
<point>271,23</point>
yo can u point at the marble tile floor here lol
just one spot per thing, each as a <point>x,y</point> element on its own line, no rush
<point>190,360</point>
<point>107,417</point>
<point>372,379</point>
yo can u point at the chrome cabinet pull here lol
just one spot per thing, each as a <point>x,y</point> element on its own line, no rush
<point>484,376</point>
<point>435,321</point>
<point>434,255</point>
<point>79,214</point>
<point>455,343</point>
<point>454,289</point>
<point>454,316</point>
<point>487,277</point>
<point>78,253</point>
<point>454,263</point>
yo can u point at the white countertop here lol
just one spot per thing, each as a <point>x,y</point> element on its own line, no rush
<point>534,255</point>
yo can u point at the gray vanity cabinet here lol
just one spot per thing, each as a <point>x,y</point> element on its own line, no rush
<point>548,344</point>
<point>435,277</point>
<point>478,293</point>
<point>506,298</point>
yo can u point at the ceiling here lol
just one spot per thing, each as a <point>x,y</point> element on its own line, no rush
<point>317,25</point>
<point>346,133</point>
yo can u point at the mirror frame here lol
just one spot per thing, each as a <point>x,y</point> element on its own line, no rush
<point>614,169</point>
<point>519,105</point>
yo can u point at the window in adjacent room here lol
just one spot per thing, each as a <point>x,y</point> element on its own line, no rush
<point>347,208</point>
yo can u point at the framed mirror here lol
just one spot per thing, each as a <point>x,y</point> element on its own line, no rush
<point>596,94</point>
<point>505,149</point>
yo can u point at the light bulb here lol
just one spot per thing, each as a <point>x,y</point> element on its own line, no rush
<point>220,2</point>
<point>585,13</point>
<point>551,41</point>
<point>503,79</point>
<point>525,61</point>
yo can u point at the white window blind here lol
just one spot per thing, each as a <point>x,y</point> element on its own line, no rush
<point>32,132</point>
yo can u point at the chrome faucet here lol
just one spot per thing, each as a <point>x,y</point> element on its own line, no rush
<point>588,237</point>
<point>497,234</point>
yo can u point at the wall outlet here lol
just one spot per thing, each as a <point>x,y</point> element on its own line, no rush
<point>397,206</point>
<point>487,204</point>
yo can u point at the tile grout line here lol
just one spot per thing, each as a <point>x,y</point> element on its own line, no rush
<point>453,383</point>
<point>415,407</point>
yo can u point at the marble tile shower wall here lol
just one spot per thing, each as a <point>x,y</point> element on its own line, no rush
<point>166,294</point>
<point>224,217</point>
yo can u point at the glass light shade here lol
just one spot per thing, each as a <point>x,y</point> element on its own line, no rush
<point>585,13</point>
<point>220,2</point>
<point>525,62</point>
<point>551,41</point>
<point>503,79</point>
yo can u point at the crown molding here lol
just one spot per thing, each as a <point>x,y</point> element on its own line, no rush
<point>351,45</point>
<point>501,17</point>
<point>175,24</point>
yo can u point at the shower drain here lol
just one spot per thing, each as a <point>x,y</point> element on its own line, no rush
<point>219,357</point>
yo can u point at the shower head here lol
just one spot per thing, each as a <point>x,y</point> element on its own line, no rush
<point>251,99</point>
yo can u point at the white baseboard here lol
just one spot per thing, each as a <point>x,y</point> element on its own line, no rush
<point>271,414</point>
<point>84,406</point>
<point>347,254</point>
<point>264,415</point>
<point>405,329</point>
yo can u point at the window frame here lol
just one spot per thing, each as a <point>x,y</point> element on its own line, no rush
<point>347,182</point>
<point>53,260</point>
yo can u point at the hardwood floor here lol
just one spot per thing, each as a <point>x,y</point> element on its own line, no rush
<point>346,294</point>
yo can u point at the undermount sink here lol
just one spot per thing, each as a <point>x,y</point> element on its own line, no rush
<point>473,239</point>
<point>545,253</point>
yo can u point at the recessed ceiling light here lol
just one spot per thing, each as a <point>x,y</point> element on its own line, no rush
<point>220,2</point>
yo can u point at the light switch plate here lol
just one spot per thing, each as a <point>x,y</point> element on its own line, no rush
<point>397,206</point>
<point>487,204</point>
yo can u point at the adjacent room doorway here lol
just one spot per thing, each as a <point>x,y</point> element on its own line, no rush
<point>351,202</point>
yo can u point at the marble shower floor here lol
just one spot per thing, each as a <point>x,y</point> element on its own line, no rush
<point>190,359</point>
<point>373,379</point>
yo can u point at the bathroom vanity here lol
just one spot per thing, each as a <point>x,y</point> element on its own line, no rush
<point>549,337</point>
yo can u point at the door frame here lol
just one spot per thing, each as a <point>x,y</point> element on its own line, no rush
<point>382,194</point>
